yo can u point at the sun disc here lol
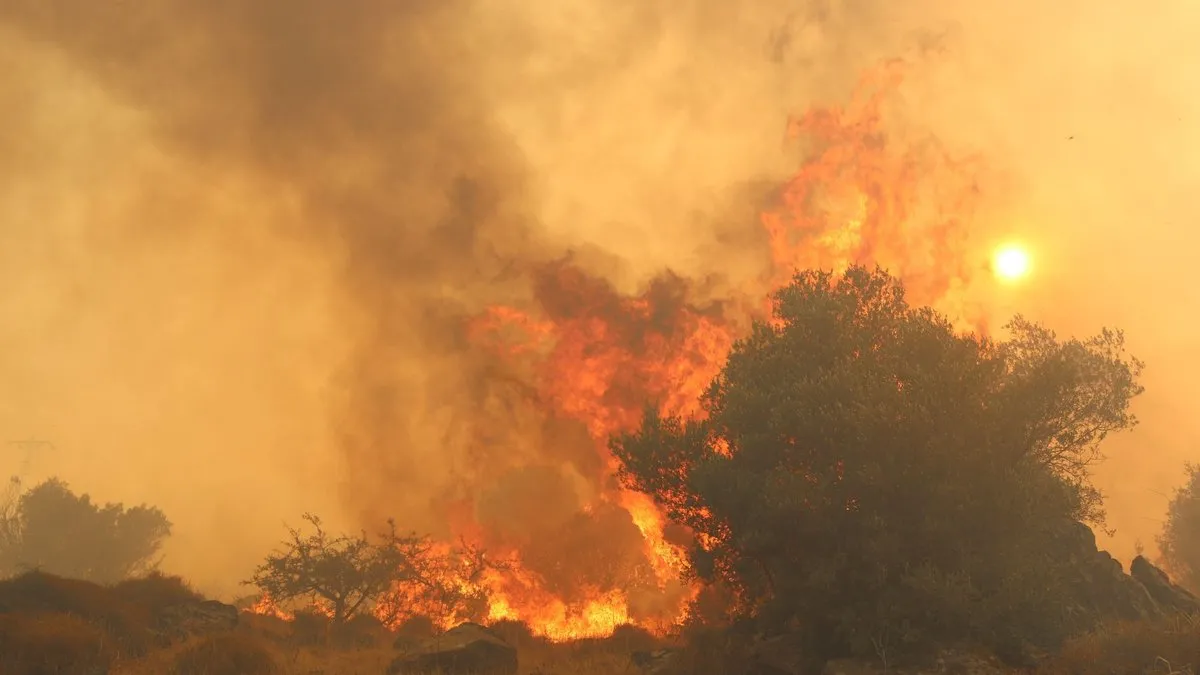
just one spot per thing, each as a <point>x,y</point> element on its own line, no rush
<point>1011,263</point>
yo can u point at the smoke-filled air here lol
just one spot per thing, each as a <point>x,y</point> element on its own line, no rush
<point>422,260</point>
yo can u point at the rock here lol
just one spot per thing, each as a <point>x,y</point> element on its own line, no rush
<point>1101,591</point>
<point>655,662</point>
<point>958,661</point>
<point>195,618</point>
<point>465,649</point>
<point>1169,596</point>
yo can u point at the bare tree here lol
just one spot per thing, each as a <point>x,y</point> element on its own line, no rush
<point>349,574</point>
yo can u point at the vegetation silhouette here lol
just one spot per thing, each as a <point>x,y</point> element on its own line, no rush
<point>348,574</point>
<point>1179,542</point>
<point>873,478</point>
<point>51,528</point>
<point>867,482</point>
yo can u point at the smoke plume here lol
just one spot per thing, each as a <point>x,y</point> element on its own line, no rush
<point>247,244</point>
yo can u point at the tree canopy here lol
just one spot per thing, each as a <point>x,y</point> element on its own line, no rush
<point>1180,538</point>
<point>858,456</point>
<point>51,528</point>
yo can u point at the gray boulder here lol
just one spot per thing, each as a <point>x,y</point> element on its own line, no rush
<point>468,649</point>
<point>1170,597</point>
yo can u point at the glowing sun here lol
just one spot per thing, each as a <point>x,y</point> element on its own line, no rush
<point>1010,262</point>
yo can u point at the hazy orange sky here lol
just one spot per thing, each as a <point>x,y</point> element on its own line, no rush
<point>224,242</point>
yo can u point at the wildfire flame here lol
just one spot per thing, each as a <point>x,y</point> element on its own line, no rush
<point>598,357</point>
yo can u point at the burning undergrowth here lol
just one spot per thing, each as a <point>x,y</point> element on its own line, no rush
<point>572,553</point>
<point>479,370</point>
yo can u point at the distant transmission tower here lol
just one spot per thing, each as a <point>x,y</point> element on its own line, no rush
<point>27,449</point>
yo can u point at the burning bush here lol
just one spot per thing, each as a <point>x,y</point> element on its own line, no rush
<point>855,445</point>
<point>343,576</point>
<point>225,654</point>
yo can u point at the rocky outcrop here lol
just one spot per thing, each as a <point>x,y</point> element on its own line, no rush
<point>1099,587</point>
<point>1102,591</point>
<point>465,649</point>
<point>196,618</point>
<point>1168,596</point>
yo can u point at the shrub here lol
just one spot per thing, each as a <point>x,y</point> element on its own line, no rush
<point>266,625</point>
<point>155,592</point>
<point>516,633</point>
<point>350,574</point>
<point>310,627</point>
<point>361,630</point>
<point>1131,648</point>
<point>712,651</point>
<point>53,528</point>
<point>225,654</point>
<point>50,644</point>
<point>40,593</point>
<point>629,637</point>
<point>417,628</point>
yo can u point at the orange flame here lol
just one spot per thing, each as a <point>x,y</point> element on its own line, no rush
<point>860,196</point>
<point>266,606</point>
<point>599,357</point>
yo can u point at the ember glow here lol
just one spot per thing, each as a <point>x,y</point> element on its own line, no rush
<point>589,358</point>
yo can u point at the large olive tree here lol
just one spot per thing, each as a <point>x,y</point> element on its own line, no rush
<point>868,472</point>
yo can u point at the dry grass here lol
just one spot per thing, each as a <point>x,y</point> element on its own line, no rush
<point>125,624</point>
<point>52,644</point>
<point>290,659</point>
<point>1166,647</point>
<point>226,654</point>
<point>55,626</point>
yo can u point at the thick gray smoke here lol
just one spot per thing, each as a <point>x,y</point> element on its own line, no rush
<point>341,184</point>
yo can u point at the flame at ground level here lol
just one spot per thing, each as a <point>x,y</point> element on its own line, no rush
<point>589,359</point>
<point>598,617</point>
